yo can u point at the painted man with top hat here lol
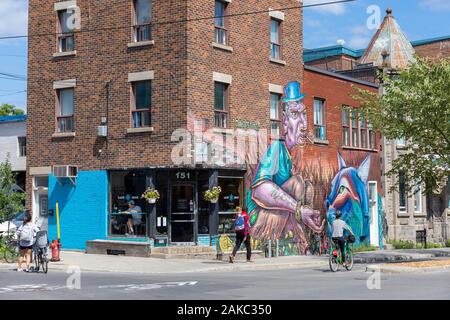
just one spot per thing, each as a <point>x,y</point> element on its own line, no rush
<point>278,201</point>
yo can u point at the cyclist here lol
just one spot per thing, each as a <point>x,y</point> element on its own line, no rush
<point>338,228</point>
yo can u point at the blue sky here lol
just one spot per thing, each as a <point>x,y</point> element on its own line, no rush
<point>323,26</point>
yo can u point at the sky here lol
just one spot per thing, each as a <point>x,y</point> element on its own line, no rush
<point>344,23</point>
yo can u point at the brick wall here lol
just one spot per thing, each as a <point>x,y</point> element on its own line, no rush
<point>434,50</point>
<point>183,60</point>
<point>338,63</point>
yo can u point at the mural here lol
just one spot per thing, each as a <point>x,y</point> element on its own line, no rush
<point>293,195</point>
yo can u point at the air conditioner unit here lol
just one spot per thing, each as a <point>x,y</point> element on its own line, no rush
<point>102,131</point>
<point>65,171</point>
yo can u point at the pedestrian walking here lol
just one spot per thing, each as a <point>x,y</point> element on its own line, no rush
<point>242,228</point>
<point>26,236</point>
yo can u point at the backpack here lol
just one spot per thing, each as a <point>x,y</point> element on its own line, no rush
<point>239,224</point>
<point>26,234</point>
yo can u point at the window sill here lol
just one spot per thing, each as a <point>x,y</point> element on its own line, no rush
<point>360,149</point>
<point>141,44</point>
<point>277,61</point>
<point>139,130</point>
<point>403,214</point>
<point>65,54</point>
<point>320,141</point>
<point>222,47</point>
<point>419,214</point>
<point>223,130</point>
<point>63,135</point>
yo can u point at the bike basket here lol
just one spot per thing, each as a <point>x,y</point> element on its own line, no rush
<point>41,239</point>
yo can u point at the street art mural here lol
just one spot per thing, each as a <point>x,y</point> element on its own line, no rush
<point>293,195</point>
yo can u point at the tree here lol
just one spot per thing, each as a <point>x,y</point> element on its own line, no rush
<point>10,110</point>
<point>415,105</point>
<point>11,201</point>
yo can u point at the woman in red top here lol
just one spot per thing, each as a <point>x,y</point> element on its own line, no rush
<point>242,226</point>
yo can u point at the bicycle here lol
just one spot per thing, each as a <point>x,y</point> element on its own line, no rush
<point>40,252</point>
<point>10,246</point>
<point>336,257</point>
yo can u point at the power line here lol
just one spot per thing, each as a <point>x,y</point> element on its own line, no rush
<point>181,21</point>
<point>12,94</point>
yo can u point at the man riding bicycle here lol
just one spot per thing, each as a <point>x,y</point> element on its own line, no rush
<point>338,228</point>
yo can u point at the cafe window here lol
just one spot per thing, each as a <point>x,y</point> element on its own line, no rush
<point>128,216</point>
<point>230,198</point>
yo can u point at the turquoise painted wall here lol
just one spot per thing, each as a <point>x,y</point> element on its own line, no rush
<point>83,208</point>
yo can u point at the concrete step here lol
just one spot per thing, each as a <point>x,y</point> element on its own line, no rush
<point>173,250</point>
<point>200,255</point>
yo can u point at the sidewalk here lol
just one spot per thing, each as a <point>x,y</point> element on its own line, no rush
<point>412,267</point>
<point>122,264</point>
<point>383,256</point>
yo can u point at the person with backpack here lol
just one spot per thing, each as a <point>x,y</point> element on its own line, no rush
<point>242,226</point>
<point>26,236</point>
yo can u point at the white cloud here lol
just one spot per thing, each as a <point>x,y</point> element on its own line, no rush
<point>336,9</point>
<point>312,22</point>
<point>359,37</point>
<point>13,17</point>
<point>436,5</point>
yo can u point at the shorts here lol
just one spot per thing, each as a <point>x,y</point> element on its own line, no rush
<point>25,248</point>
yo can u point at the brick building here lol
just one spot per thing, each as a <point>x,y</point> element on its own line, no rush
<point>105,100</point>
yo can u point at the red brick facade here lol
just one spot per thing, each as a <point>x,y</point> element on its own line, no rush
<point>183,60</point>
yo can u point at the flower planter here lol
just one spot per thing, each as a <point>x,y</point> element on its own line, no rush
<point>214,200</point>
<point>151,201</point>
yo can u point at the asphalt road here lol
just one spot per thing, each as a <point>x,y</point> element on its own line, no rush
<point>246,285</point>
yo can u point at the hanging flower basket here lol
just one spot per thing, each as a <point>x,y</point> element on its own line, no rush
<point>212,195</point>
<point>150,195</point>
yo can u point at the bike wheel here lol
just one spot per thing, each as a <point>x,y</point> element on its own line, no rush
<point>36,261</point>
<point>44,262</point>
<point>349,261</point>
<point>334,264</point>
<point>11,253</point>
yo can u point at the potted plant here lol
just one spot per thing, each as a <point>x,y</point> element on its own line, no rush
<point>151,195</point>
<point>212,195</point>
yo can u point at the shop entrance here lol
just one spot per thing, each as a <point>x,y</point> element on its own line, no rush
<point>183,214</point>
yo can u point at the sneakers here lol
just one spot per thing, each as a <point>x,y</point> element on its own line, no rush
<point>19,270</point>
<point>231,259</point>
<point>251,261</point>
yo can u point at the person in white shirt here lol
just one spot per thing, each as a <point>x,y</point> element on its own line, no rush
<point>338,226</point>
<point>136,216</point>
<point>26,236</point>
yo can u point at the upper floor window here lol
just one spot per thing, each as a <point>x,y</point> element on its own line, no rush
<point>220,104</point>
<point>402,193</point>
<point>142,102</point>
<point>275,39</point>
<point>220,36</point>
<point>319,119</point>
<point>64,118</point>
<point>356,131</point>
<point>143,17</point>
<point>275,119</point>
<point>22,142</point>
<point>66,38</point>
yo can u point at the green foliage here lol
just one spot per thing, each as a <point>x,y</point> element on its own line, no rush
<point>363,248</point>
<point>11,202</point>
<point>447,243</point>
<point>415,105</point>
<point>10,110</point>
<point>212,194</point>
<point>150,193</point>
<point>402,244</point>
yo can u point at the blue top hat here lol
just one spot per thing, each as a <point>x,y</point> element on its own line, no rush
<point>292,92</point>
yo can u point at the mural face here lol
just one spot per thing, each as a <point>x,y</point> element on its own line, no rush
<point>349,196</point>
<point>291,199</point>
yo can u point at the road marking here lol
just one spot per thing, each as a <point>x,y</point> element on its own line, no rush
<point>148,286</point>
<point>30,288</point>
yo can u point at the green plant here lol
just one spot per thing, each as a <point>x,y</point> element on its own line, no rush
<point>150,193</point>
<point>364,247</point>
<point>212,194</point>
<point>447,243</point>
<point>11,202</point>
<point>403,244</point>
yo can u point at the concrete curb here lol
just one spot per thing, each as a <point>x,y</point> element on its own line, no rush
<point>393,269</point>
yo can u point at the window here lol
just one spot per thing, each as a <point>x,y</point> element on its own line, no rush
<point>417,196</point>
<point>402,195</point>
<point>230,198</point>
<point>345,128</point>
<point>127,213</point>
<point>319,119</point>
<point>356,131</point>
<point>142,101</point>
<point>143,17</point>
<point>66,38</point>
<point>41,181</point>
<point>220,36</point>
<point>64,117</point>
<point>220,104</point>
<point>275,43</point>
<point>22,141</point>
<point>401,142</point>
<point>275,114</point>
<point>363,131</point>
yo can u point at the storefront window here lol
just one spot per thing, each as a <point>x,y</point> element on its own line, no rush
<point>230,198</point>
<point>128,216</point>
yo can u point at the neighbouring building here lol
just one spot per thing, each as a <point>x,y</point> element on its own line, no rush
<point>389,49</point>
<point>13,144</point>
<point>108,107</point>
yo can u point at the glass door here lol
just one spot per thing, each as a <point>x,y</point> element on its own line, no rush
<point>183,211</point>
